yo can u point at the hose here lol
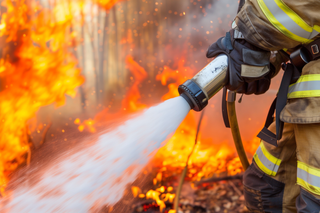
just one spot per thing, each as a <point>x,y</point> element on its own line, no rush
<point>184,172</point>
<point>231,109</point>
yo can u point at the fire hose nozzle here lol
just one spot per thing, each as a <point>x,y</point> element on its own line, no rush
<point>205,84</point>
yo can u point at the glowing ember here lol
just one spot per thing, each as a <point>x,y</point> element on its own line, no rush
<point>31,82</point>
<point>160,195</point>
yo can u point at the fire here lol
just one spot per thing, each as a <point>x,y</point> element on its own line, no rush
<point>87,124</point>
<point>160,195</point>
<point>105,4</point>
<point>206,159</point>
<point>132,103</point>
<point>36,69</point>
<point>180,75</point>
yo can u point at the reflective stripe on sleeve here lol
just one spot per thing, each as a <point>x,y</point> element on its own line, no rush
<point>287,21</point>
<point>265,161</point>
<point>308,177</point>
<point>307,86</point>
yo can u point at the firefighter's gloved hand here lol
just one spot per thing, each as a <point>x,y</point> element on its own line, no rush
<point>249,69</point>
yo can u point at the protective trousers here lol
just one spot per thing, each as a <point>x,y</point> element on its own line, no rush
<point>287,178</point>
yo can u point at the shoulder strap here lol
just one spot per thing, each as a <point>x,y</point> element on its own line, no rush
<point>277,106</point>
<point>265,134</point>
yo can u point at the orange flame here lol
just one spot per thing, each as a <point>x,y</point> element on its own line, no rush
<point>36,70</point>
<point>135,191</point>
<point>105,4</point>
<point>170,159</point>
<point>206,159</point>
<point>132,102</point>
<point>160,195</point>
<point>180,75</point>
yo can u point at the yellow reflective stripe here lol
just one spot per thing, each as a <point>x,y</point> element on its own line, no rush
<point>266,162</point>
<point>295,17</point>
<point>308,187</point>
<point>316,28</point>
<point>278,25</point>
<point>269,156</point>
<point>262,166</point>
<point>310,169</point>
<point>308,177</point>
<point>304,94</point>
<point>309,77</point>
<point>310,91</point>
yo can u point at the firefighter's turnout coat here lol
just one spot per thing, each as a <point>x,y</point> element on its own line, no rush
<point>287,178</point>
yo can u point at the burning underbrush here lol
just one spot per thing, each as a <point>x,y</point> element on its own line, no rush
<point>40,65</point>
<point>209,159</point>
<point>30,82</point>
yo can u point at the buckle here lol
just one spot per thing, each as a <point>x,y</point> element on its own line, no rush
<point>315,49</point>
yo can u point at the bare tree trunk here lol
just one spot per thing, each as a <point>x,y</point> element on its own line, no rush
<point>95,56</point>
<point>99,58</point>
<point>81,91</point>
<point>83,60</point>
<point>137,24</point>
<point>150,40</point>
<point>103,55</point>
<point>116,49</point>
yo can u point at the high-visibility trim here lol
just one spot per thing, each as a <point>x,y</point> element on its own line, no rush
<point>293,16</point>
<point>309,77</point>
<point>317,28</point>
<point>307,86</point>
<point>308,177</point>
<point>304,94</point>
<point>265,161</point>
<point>287,21</point>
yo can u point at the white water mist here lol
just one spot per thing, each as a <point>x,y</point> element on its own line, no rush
<point>98,175</point>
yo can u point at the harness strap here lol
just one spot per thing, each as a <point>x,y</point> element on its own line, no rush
<point>282,96</point>
<point>265,134</point>
<point>278,104</point>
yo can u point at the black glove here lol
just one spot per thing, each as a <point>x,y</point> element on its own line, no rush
<point>249,68</point>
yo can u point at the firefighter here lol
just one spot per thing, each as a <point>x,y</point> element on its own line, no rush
<point>285,173</point>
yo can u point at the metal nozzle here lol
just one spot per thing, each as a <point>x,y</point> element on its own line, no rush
<point>205,84</point>
<point>193,94</point>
